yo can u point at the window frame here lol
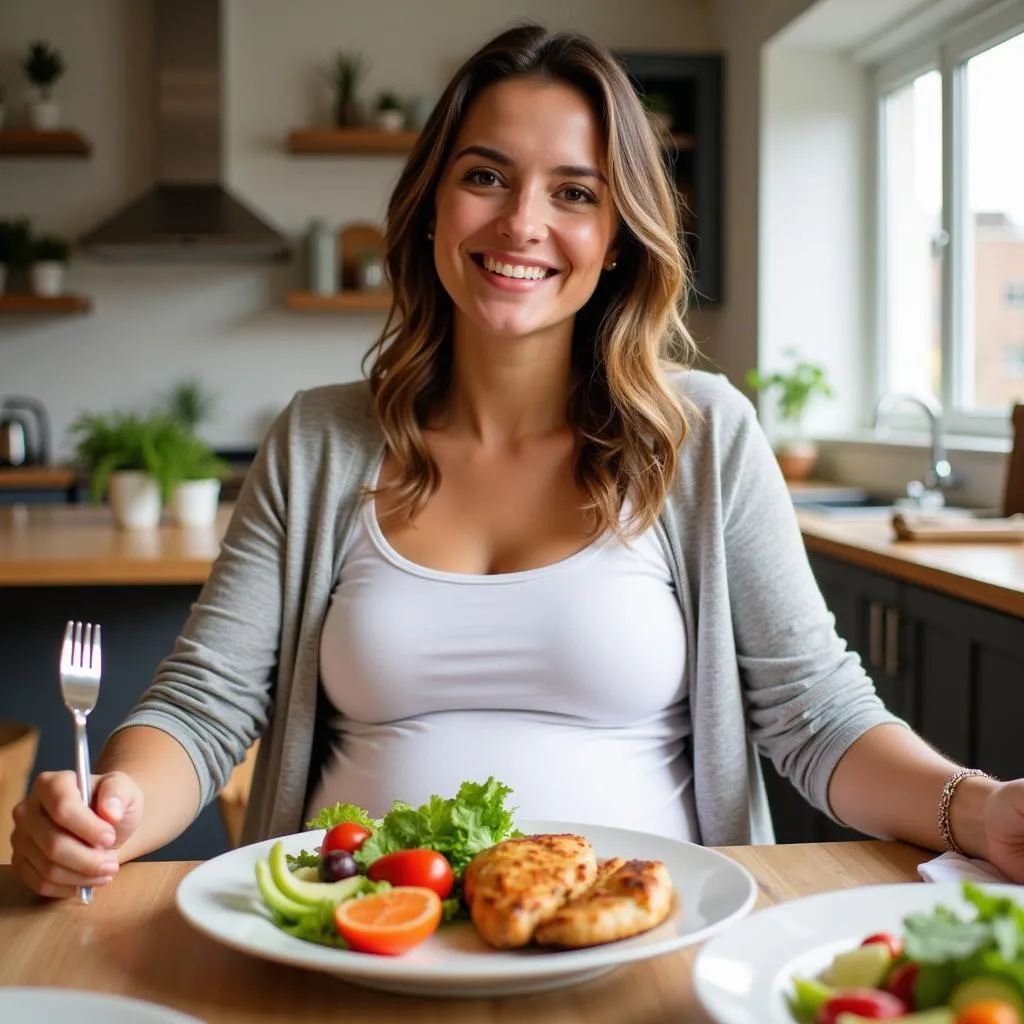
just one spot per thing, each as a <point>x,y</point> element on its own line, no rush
<point>946,50</point>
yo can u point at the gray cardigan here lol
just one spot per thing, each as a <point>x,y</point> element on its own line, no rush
<point>765,670</point>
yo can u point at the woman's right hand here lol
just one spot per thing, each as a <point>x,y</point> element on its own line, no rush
<point>59,844</point>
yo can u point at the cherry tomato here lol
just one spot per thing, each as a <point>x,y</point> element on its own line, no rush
<point>347,836</point>
<point>894,943</point>
<point>870,1003</point>
<point>988,1011</point>
<point>425,869</point>
<point>902,980</point>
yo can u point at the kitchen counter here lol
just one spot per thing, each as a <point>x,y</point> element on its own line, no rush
<point>66,545</point>
<point>989,574</point>
<point>44,477</point>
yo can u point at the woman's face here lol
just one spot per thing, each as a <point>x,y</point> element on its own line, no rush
<point>525,222</point>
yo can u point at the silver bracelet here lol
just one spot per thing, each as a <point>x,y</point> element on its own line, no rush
<point>945,832</point>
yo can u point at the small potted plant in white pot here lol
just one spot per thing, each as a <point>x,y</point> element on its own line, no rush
<point>347,70</point>
<point>130,459</point>
<point>48,269</point>
<point>390,112</point>
<point>43,66</point>
<point>199,471</point>
<point>797,454</point>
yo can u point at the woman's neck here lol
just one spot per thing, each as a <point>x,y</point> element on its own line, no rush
<point>507,390</point>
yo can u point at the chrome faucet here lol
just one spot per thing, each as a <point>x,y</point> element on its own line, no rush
<point>940,476</point>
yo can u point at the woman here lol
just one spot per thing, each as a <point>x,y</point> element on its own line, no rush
<point>527,547</point>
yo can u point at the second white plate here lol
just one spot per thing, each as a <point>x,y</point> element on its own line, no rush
<point>219,898</point>
<point>744,975</point>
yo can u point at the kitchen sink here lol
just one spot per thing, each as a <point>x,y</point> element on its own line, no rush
<point>847,501</point>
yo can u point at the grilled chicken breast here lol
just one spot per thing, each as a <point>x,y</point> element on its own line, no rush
<point>629,897</point>
<point>518,884</point>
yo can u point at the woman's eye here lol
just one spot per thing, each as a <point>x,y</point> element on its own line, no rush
<point>578,194</point>
<point>481,176</point>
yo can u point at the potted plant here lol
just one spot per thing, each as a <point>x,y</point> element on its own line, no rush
<point>49,265</point>
<point>199,473</point>
<point>345,75</point>
<point>390,114</point>
<point>796,387</point>
<point>198,470</point>
<point>131,459</point>
<point>43,65</point>
<point>15,252</point>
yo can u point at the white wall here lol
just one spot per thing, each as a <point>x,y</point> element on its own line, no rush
<point>814,225</point>
<point>154,324</point>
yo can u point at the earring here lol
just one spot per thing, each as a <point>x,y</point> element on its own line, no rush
<point>430,236</point>
<point>613,264</point>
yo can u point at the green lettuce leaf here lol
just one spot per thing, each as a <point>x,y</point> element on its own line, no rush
<point>459,828</point>
<point>331,816</point>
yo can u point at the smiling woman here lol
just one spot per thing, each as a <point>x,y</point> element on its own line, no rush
<point>534,545</point>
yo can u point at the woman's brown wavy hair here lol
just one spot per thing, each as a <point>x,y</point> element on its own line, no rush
<point>628,420</point>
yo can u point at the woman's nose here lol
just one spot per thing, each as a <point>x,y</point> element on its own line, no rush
<point>523,219</point>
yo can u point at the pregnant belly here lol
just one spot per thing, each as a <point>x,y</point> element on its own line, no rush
<point>632,778</point>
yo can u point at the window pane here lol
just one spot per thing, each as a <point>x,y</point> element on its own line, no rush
<point>912,186</point>
<point>994,347</point>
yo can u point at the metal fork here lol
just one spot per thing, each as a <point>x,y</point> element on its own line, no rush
<point>80,667</point>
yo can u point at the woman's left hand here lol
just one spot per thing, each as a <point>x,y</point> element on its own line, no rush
<point>1004,828</point>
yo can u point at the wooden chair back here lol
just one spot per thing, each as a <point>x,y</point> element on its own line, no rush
<point>18,743</point>
<point>1013,500</point>
<point>234,797</point>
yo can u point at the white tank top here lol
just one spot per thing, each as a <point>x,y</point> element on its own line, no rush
<point>565,682</point>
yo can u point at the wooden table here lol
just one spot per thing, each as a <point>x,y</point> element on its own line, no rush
<point>132,941</point>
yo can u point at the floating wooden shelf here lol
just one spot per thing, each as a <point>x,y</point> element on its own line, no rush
<point>328,141</point>
<point>26,302</point>
<point>309,302</point>
<point>60,142</point>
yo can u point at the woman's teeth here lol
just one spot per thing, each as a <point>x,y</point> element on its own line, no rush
<point>515,270</point>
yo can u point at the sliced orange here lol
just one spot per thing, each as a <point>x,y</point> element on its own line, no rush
<point>390,922</point>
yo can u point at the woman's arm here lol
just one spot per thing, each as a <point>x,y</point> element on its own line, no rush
<point>889,783</point>
<point>165,774</point>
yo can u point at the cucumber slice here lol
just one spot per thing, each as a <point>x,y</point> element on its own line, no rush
<point>274,898</point>
<point>976,990</point>
<point>863,967</point>
<point>807,998</point>
<point>310,893</point>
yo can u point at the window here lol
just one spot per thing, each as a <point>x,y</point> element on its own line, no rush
<point>950,298</point>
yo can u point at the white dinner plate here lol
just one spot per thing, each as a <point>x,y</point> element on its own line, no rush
<point>744,975</point>
<point>62,1005</point>
<point>219,898</point>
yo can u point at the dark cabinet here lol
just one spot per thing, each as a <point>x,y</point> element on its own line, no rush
<point>954,670</point>
<point>686,90</point>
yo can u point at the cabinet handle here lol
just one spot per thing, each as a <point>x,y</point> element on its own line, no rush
<point>876,611</point>
<point>892,642</point>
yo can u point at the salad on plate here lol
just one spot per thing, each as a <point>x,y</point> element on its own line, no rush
<point>384,886</point>
<point>943,969</point>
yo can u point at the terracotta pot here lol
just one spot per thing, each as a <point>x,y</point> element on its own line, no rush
<point>797,459</point>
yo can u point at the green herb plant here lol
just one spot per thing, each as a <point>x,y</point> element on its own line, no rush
<point>388,101</point>
<point>155,444</point>
<point>15,243</point>
<point>796,387</point>
<point>190,403</point>
<point>50,248</point>
<point>43,66</point>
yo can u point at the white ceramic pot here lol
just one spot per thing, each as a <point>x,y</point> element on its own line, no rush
<point>390,120</point>
<point>47,277</point>
<point>134,499</point>
<point>44,115</point>
<point>194,502</point>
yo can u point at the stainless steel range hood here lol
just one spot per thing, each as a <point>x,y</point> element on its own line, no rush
<point>189,214</point>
